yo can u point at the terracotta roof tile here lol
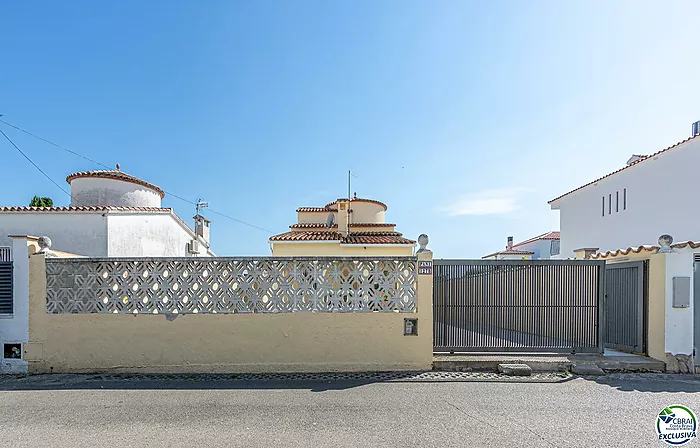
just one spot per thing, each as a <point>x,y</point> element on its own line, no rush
<point>555,235</point>
<point>82,209</point>
<point>117,175</point>
<point>318,225</point>
<point>372,201</point>
<point>352,238</point>
<point>644,248</point>
<point>313,209</point>
<point>510,252</point>
<point>624,168</point>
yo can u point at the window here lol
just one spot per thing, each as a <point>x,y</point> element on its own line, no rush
<point>12,351</point>
<point>554,248</point>
<point>617,201</point>
<point>5,287</point>
<point>603,205</point>
<point>624,199</point>
<point>609,203</point>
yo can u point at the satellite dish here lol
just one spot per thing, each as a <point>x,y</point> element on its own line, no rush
<point>331,220</point>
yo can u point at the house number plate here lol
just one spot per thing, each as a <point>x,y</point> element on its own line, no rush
<point>425,268</point>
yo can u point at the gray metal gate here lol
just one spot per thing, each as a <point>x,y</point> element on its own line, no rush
<point>624,310</point>
<point>518,305</point>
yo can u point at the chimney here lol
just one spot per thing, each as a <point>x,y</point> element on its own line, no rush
<point>510,243</point>
<point>635,158</point>
<point>696,129</point>
<point>343,216</point>
<point>201,227</point>
<point>585,253</point>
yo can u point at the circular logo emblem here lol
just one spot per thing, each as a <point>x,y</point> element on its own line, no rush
<point>676,425</point>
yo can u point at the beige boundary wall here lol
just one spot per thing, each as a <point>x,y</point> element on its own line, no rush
<point>284,342</point>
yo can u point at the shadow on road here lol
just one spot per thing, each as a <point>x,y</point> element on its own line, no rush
<point>649,382</point>
<point>313,382</point>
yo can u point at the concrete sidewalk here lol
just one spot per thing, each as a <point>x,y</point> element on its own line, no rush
<point>612,362</point>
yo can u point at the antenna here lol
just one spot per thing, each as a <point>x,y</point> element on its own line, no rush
<point>331,220</point>
<point>201,204</point>
<point>350,174</point>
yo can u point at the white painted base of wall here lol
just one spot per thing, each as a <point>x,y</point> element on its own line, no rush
<point>13,366</point>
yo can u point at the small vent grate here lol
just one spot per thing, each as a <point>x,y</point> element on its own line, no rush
<point>696,257</point>
<point>5,287</point>
<point>5,253</point>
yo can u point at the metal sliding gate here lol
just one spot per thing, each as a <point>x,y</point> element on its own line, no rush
<point>518,305</point>
<point>624,308</point>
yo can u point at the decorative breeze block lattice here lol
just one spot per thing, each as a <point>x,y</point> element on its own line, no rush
<point>230,285</point>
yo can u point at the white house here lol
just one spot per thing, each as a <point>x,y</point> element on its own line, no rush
<point>651,195</point>
<point>112,214</point>
<point>541,247</point>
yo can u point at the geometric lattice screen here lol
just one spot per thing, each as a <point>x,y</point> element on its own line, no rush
<point>230,285</point>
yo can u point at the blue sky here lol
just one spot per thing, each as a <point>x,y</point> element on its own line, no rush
<point>464,117</point>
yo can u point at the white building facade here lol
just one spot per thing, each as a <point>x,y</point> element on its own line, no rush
<point>541,247</point>
<point>650,196</point>
<point>112,214</point>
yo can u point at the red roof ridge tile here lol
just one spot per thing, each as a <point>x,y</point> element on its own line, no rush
<point>116,175</point>
<point>644,158</point>
<point>553,235</point>
<point>372,201</point>
<point>509,252</point>
<point>645,248</point>
<point>82,208</point>
<point>352,238</point>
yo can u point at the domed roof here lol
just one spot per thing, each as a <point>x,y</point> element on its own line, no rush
<point>116,175</point>
<point>356,199</point>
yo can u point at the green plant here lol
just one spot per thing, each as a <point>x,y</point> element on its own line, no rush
<point>41,202</point>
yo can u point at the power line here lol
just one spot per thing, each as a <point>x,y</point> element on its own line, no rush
<point>54,144</point>
<point>108,167</point>
<point>35,165</point>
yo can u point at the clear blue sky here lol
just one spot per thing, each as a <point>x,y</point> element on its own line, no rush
<point>464,117</point>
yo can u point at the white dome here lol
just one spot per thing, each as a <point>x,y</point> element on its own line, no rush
<point>112,188</point>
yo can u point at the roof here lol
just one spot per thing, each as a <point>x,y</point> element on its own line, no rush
<point>510,252</point>
<point>642,159</point>
<point>318,225</point>
<point>352,238</point>
<point>86,208</point>
<point>313,209</point>
<point>116,175</point>
<point>554,235</point>
<point>644,248</point>
<point>371,201</point>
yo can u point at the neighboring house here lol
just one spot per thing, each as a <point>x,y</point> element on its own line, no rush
<point>112,214</point>
<point>346,227</point>
<point>650,196</point>
<point>541,247</point>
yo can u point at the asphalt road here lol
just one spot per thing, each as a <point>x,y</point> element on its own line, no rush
<point>615,411</point>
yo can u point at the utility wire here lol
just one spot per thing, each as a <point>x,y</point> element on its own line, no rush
<point>54,144</point>
<point>108,167</point>
<point>35,165</point>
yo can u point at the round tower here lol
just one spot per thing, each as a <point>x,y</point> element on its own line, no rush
<point>112,188</point>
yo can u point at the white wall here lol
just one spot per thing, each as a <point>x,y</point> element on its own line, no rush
<point>661,197</point>
<point>366,212</point>
<point>154,235</point>
<point>679,321</point>
<point>541,249</point>
<point>83,233</point>
<point>99,191</point>
<point>14,328</point>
